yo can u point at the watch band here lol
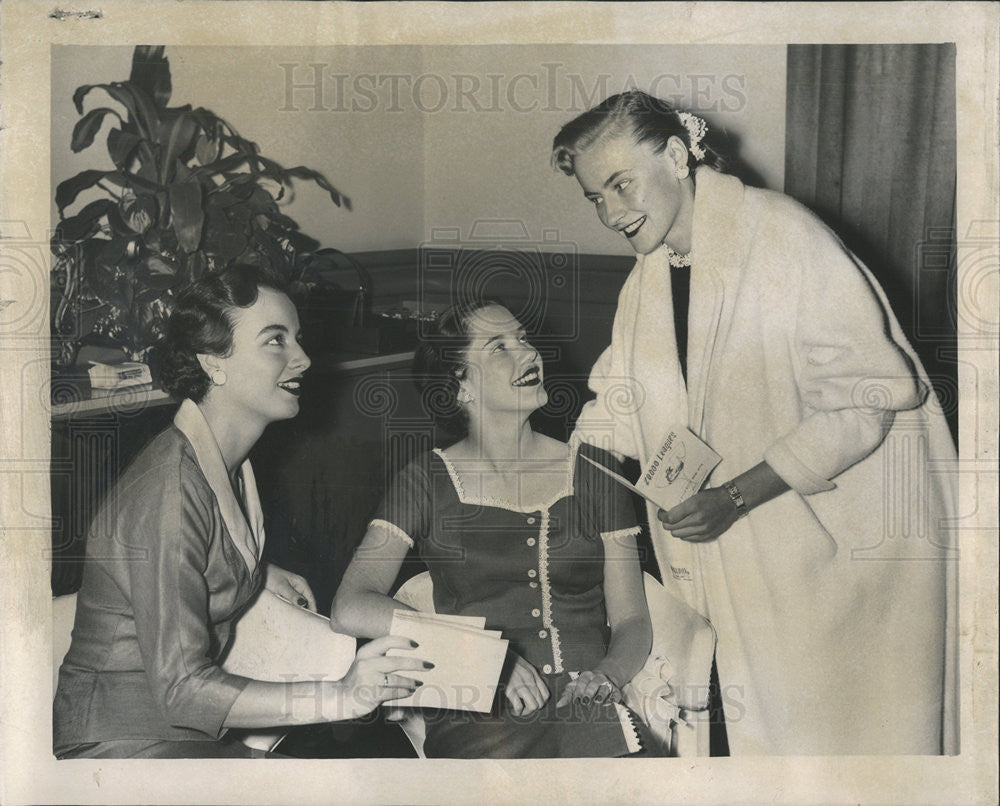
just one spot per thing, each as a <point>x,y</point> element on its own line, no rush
<point>737,498</point>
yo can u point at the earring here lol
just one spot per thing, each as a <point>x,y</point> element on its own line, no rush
<point>218,377</point>
<point>467,398</point>
<point>682,171</point>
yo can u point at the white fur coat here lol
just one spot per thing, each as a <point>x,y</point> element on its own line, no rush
<point>834,603</point>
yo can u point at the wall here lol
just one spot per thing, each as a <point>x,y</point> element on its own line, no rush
<point>372,157</point>
<point>425,139</point>
<point>495,165</point>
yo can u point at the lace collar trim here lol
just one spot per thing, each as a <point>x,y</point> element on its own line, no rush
<point>503,503</point>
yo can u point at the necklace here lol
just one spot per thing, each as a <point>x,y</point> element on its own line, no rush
<point>677,260</point>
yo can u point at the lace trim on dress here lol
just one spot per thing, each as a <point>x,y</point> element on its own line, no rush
<point>632,740</point>
<point>392,529</point>
<point>631,531</point>
<point>543,574</point>
<point>502,503</point>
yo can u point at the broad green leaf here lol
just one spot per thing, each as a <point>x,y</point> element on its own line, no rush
<point>121,146</point>
<point>163,204</point>
<point>223,165</point>
<point>182,173</point>
<point>138,211</point>
<point>195,269</point>
<point>85,223</point>
<point>88,126</point>
<point>151,72</point>
<point>181,137</point>
<point>206,149</point>
<point>187,216</point>
<point>69,189</point>
<point>118,225</point>
<point>157,272</point>
<point>140,108</point>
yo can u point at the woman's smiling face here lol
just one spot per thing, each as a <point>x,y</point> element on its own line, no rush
<point>503,371</point>
<point>636,191</point>
<point>264,369</point>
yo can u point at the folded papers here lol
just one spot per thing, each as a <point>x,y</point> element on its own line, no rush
<point>280,642</point>
<point>467,660</point>
<point>676,469</point>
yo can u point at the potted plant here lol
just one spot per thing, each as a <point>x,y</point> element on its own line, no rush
<point>186,195</point>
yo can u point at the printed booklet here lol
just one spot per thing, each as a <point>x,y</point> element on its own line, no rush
<point>676,470</point>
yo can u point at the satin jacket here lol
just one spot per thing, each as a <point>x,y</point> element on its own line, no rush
<point>171,562</point>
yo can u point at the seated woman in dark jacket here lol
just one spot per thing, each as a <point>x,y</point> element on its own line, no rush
<point>173,557</point>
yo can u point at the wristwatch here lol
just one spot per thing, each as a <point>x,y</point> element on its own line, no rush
<point>737,498</point>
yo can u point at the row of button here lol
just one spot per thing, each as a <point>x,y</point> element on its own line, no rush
<point>532,573</point>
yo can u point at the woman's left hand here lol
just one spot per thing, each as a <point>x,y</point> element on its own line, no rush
<point>591,686</point>
<point>701,517</point>
<point>289,586</point>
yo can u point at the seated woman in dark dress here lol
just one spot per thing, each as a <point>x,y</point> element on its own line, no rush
<point>174,556</point>
<point>518,528</point>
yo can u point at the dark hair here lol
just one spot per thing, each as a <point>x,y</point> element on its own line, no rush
<point>439,364</point>
<point>202,323</point>
<point>647,118</point>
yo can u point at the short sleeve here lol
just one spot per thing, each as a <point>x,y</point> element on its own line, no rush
<point>608,504</point>
<point>404,511</point>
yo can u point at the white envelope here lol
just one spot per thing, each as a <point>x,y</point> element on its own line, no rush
<point>467,662</point>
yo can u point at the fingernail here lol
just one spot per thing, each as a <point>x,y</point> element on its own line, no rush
<point>428,664</point>
<point>417,683</point>
<point>302,602</point>
<point>413,643</point>
<point>586,700</point>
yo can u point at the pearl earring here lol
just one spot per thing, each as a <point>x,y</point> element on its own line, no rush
<point>682,171</point>
<point>219,377</point>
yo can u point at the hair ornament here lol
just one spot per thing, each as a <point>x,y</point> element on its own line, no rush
<point>697,128</point>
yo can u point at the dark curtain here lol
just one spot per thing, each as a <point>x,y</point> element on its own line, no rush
<point>870,147</point>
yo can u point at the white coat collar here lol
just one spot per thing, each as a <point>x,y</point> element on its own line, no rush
<point>716,256</point>
<point>246,532</point>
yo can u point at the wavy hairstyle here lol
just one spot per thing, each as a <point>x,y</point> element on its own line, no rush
<point>643,116</point>
<point>439,364</point>
<point>202,323</point>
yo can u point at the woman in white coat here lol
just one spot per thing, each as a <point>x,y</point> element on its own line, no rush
<point>819,547</point>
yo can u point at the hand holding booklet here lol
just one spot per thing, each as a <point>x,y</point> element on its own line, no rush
<point>467,660</point>
<point>676,469</point>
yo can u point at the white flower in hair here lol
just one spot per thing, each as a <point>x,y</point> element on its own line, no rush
<point>697,128</point>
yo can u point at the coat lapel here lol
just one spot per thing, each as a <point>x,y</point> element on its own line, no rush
<point>246,532</point>
<point>716,257</point>
<point>655,370</point>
